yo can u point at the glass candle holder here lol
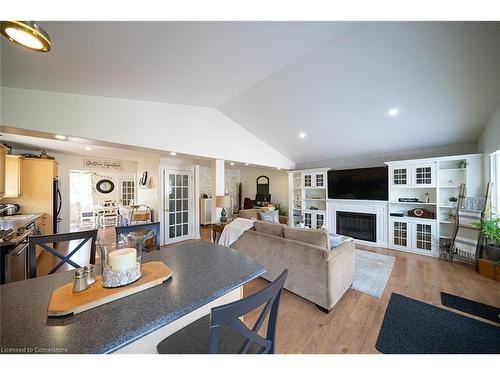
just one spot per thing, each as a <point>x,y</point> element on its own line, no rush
<point>121,261</point>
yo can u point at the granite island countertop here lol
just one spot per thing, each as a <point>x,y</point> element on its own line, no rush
<point>202,273</point>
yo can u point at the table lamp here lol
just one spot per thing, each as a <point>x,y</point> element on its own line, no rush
<point>223,201</point>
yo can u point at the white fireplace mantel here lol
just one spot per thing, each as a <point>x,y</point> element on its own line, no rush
<point>379,208</point>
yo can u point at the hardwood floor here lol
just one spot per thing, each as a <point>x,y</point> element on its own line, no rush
<point>354,323</point>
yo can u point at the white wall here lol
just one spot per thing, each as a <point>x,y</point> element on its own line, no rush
<point>489,140</point>
<point>150,196</point>
<point>192,130</point>
<point>373,160</point>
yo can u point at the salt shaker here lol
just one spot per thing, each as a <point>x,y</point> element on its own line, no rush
<point>90,274</point>
<point>80,283</point>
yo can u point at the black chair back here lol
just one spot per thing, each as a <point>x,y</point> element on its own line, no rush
<point>229,315</point>
<point>55,239</point>
<point>155,227</point>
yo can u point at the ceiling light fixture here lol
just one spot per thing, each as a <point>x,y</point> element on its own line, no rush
<point>231,164</point>
<point>279,169</point>
<point>61,137</point>
<point>26,34</point>
<point>393,112</point>
<point>173,153</point>
<point>302,135</point>
<point>88,148</point>
<point>247,164</point>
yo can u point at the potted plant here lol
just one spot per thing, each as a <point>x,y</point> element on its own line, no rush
<point>281,209</point>
<point>490,228</point>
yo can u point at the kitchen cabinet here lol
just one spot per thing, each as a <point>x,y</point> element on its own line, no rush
<point>3,154</point>
<point>38,190</point>
<point>13,175</point>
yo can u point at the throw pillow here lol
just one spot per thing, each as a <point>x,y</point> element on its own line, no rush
<point>335,240</point>
<point>270,216</point>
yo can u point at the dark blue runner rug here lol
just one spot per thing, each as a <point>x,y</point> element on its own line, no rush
<point>471,307</point>
<point>414,327</point>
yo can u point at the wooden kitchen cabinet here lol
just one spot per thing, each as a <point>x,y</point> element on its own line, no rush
<point>13,176</point>
<point>3,154</point>
<point>38,191</point>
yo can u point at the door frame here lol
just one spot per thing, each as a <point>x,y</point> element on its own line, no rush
<point>165,170</point>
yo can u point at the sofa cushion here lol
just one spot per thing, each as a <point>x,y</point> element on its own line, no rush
<point>253,213</point>
<point>275,229</point>
<point>318,237</point>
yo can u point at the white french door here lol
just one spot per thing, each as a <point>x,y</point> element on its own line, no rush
<point>178,208</point>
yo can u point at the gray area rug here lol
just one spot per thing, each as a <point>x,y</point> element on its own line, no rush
<point>371,272</point>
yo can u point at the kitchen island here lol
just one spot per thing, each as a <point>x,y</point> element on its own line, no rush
<point>204,275</point>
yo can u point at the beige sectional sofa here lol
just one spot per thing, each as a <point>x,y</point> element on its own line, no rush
<point>315,272</point>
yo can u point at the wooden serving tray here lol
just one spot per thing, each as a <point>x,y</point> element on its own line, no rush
<point>64,302</point>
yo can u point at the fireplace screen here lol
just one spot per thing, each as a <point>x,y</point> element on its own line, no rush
<point>357,225</point>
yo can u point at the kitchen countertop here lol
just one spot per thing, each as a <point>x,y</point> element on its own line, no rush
<point>202,273</point>
<point>15,225</point>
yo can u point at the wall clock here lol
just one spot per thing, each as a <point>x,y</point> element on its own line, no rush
<point>105,186</point>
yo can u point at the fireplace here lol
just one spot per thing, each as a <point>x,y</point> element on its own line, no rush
<point>357,225</point>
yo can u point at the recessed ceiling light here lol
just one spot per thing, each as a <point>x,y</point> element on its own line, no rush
<point>59,136</point>
<point>247,164</point>
<point>27,34</point>
<point>173,153</point>
<point>393,112</point>
<point>231,164</point>
<point>279,169</point>
<point>302,135</point>
<point>88,148</point>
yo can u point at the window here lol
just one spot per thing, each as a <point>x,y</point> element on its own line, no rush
<point>495,179</point>
<point>128,192</point>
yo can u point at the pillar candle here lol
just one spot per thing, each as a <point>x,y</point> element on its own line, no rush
<point>123,259</point>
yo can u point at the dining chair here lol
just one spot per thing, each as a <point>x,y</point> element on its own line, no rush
<point>57,241</point>
<point>86,219</point>
<point>223,332</point>
<point>108,218</point>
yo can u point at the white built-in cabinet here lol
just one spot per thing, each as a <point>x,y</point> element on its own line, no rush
<point>421,174</point>
<point>413,235</point>
<point>307,197</point>
<point>314,180</point>
<point>433,182</point>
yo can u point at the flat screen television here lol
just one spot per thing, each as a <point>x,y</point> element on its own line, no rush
<point>363,184</point>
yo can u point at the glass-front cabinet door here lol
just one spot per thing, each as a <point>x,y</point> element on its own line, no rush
<point>308,219</point>
<point>424,233</point>
<point>308,180</point>
<point>424,175</point>
<point>400,234</point>
<point>319,180</point>
<point>400,176</point>
<point>319,220</point>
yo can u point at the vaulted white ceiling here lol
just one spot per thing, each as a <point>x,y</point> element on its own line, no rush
<point>335,81</point>
<point>197,63</point>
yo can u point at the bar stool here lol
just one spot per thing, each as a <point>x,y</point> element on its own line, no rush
<point>222,331</point>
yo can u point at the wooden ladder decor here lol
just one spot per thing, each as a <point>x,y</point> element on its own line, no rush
<point>466,226</point>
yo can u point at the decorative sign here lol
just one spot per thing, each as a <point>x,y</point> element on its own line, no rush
<point>102,164</point>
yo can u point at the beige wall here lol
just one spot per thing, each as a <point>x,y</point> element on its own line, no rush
<point>278,183</point>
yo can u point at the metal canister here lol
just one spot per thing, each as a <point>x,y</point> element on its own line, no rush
<point>90,274</point>
<point>80,282</point>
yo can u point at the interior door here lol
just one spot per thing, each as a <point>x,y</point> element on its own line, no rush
<point>178,206</point>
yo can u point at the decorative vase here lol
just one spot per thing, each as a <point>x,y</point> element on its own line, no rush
<point>121,261</point>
